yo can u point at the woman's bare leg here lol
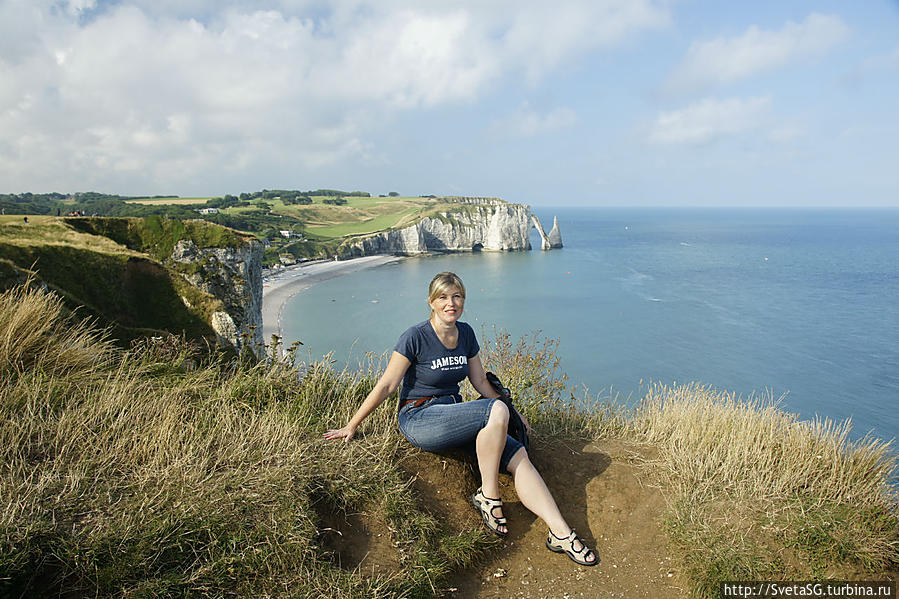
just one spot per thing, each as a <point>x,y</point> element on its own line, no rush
<point>489,445</point>
<point>535,495</point>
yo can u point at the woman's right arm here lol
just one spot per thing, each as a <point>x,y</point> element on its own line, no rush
<point>387,384</point>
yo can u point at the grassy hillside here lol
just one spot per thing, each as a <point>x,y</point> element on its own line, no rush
<point>111,269</point>
<point>179,201</point>
<point>157,236</point>
<point>320,221</point>
<point>359,216</point>
<point>132,474</point>
<point>154,473</point>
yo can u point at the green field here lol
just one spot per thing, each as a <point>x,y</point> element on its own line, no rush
<point>36,219</point>
<point>359,216</point>
<point>168,201</point>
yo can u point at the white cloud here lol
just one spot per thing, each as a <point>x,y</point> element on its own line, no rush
<point>543,34</point>
<point>786,134</point>
<point>527,122</point>
<point>725,60</point>
<point>167,94</point>
<point>76,7</point>
<point>708,119</point>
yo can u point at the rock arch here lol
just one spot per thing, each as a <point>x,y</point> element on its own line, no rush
<point>551,241</point>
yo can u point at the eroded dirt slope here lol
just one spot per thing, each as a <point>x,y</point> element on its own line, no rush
<point>597,487</point>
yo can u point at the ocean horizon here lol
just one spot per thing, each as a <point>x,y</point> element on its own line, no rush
<point>793,304</point>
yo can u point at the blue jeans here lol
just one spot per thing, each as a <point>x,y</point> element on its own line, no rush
<point>446,422</point>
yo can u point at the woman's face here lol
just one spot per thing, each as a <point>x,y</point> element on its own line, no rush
<point>448,305</point>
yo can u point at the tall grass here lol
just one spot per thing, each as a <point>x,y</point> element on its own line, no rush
<point>145,473</point>
<point>757,494</point>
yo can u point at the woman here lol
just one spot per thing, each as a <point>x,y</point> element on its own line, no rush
<point>431,359</point>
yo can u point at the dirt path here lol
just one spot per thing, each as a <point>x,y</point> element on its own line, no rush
<point>598,491</point>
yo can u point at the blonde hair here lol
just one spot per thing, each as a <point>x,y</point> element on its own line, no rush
<point>441,282</point>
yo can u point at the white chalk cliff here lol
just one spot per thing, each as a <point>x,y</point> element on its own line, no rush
<point>555,236</point>
<point>477,226</point>
<point>233,276</point>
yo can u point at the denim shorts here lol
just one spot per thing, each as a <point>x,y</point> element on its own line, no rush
<point>446,422</point>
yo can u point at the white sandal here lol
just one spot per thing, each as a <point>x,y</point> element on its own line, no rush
<point>566,545</point>
<point>486,505</point>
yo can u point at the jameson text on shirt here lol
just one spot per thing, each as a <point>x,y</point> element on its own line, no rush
<point>442,363</point>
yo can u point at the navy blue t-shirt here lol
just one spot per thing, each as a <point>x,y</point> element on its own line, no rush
<point>435,370</point>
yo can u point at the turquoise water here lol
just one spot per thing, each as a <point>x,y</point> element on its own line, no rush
<point>794,302</point>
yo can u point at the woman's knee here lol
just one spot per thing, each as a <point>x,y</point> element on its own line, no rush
<point>499,414</point>
<point>518,459</point>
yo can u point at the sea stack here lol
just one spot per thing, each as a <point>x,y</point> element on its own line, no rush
<point>555,236</point>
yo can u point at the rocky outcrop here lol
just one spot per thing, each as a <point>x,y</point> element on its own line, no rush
<point>551,241</point>
<point>476,224</point>
<point>410,240</point>
<point>555,236</point>
<point>544,238</point>
<point>232,275</point>
<point>475,227</point>
<point>492,228</point>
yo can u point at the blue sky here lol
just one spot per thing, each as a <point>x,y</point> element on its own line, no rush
<point>580,102</point>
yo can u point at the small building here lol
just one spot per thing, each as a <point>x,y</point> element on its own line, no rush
<point>209,210</point>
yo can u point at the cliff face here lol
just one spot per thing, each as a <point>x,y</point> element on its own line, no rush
<point>410,240</point>
<point>232,275</point>
<point>489,227</point>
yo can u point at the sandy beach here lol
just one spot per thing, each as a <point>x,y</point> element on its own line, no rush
<point>282,285</point>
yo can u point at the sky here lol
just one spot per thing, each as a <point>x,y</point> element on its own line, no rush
<point>563,103</point>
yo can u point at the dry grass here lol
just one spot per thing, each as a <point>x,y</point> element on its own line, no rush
<point>52,231</point>
<point>749,449</point>
<point>757,494</point>
<point>146,473</point>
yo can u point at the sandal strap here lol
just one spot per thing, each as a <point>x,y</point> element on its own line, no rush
<point>490,500</point>
<point>567,543</point>
<point>487,505</point>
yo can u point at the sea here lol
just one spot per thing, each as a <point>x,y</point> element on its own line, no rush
<point>797,305</point>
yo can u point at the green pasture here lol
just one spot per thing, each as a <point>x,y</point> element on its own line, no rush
<point>19,219</point>
<point>371,225</point>
<point>358,216</point>
<point>168,201</point>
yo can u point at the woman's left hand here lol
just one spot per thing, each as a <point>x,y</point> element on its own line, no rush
<point>346,433</point>
<point>527,425</point>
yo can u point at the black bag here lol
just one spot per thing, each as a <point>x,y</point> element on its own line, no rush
<point>517,429</point>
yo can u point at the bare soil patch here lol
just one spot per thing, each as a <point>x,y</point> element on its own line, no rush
<point>357,541</point>
<point>597,488</point>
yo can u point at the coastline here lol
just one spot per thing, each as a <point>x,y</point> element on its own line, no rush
<point>280,286</point>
